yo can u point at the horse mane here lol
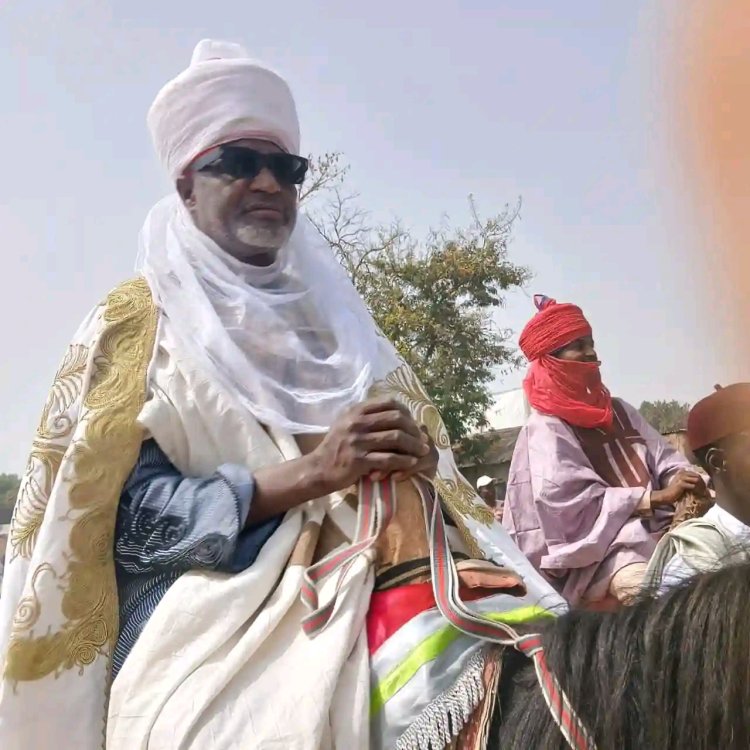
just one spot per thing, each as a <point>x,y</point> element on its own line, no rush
<point>665,673</point>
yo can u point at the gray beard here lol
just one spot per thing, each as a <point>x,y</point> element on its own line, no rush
<point>266,239</point>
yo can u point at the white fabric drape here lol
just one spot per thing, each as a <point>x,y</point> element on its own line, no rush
<point>294,340</point>
<point>213,664</point>
<point>224,662</point>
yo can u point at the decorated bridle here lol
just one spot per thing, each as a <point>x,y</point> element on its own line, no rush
<point>377,504</point>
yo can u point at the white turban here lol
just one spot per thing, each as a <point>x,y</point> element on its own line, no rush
<point>293,341</point>
<point>223,96</point>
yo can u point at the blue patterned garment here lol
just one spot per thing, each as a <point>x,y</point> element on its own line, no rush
<point>168,524</point>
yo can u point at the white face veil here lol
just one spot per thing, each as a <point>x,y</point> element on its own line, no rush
<point>293,340</point>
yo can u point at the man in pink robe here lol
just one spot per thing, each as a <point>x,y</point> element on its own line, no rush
<point>592,486</point>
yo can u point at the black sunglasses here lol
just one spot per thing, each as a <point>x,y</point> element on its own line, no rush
<point>241,163</point>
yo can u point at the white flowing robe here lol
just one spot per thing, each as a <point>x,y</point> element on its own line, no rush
<point>223,662</point>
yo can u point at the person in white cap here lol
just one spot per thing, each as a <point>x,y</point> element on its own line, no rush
<point>190,462</point>
<point>486,490</point>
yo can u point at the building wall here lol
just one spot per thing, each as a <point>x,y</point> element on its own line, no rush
<point>510,409</point>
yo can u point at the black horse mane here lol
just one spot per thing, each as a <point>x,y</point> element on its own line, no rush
<point>667,673</point>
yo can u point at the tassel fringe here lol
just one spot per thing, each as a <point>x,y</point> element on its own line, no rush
<point>447,715</point>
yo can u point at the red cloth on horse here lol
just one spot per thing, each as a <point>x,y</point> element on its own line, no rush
<point>571,391</point>
<point>392,608</point>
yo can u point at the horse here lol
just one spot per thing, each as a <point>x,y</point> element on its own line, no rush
<point>663,673</point>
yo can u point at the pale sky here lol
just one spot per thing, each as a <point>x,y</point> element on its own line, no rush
<point>561,103</point>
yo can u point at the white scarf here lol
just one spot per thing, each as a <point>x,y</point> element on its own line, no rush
<point>294,340</point>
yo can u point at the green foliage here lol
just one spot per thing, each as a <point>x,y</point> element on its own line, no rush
<point>9,484</point>
<point>665,416</point>
<point>434,297</point>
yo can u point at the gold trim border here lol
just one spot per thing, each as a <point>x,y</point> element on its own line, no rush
<point>100,466</point>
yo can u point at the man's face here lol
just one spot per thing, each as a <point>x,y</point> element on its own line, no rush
<point>250,219</point>
<point>736,454</point>
<point>487,493</point>
<point>580,350</point>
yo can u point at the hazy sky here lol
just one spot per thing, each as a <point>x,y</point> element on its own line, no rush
<point>560,103</point>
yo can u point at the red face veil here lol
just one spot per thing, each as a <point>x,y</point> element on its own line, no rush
<point>571,391</point>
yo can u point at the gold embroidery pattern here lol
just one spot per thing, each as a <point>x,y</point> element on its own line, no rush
<point>403,382</point>
<point>458,499</point>
<point>101,462</point>
<point>458,496</point>
<point>463,498</point>
<point>29,608</point>
<point>46,455</point>
<point>66,389</point>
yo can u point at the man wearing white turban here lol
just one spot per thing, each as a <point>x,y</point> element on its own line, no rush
<point>185,501</point>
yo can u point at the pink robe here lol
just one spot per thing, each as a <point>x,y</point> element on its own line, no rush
<point>573,498</point>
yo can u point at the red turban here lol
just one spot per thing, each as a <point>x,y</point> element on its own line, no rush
<point>571,391</point>
<point>552,328</point>
<point>725,412</point>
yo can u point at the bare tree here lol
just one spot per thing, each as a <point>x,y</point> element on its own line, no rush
<point>434,297</point>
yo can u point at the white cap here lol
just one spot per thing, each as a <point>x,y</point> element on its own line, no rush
<point>222,96</point>
<point>484,481</point>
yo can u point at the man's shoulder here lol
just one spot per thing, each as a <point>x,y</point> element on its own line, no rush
<point>546,434</point>
<point>135,288</point>
<point>539,423</point>
<point>129,299</point>
<point>626,405</point>
<point>537,419</point>
<point>696,544</point>
<point>706,531</point>
<point>628,413</point>
<point>729,523</point>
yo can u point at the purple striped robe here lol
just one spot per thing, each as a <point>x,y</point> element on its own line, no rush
<point>573,496</point>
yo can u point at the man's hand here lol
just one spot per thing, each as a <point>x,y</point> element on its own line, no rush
<point>684,481</point>
<point>427,466</point>
<point>377,438</point>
